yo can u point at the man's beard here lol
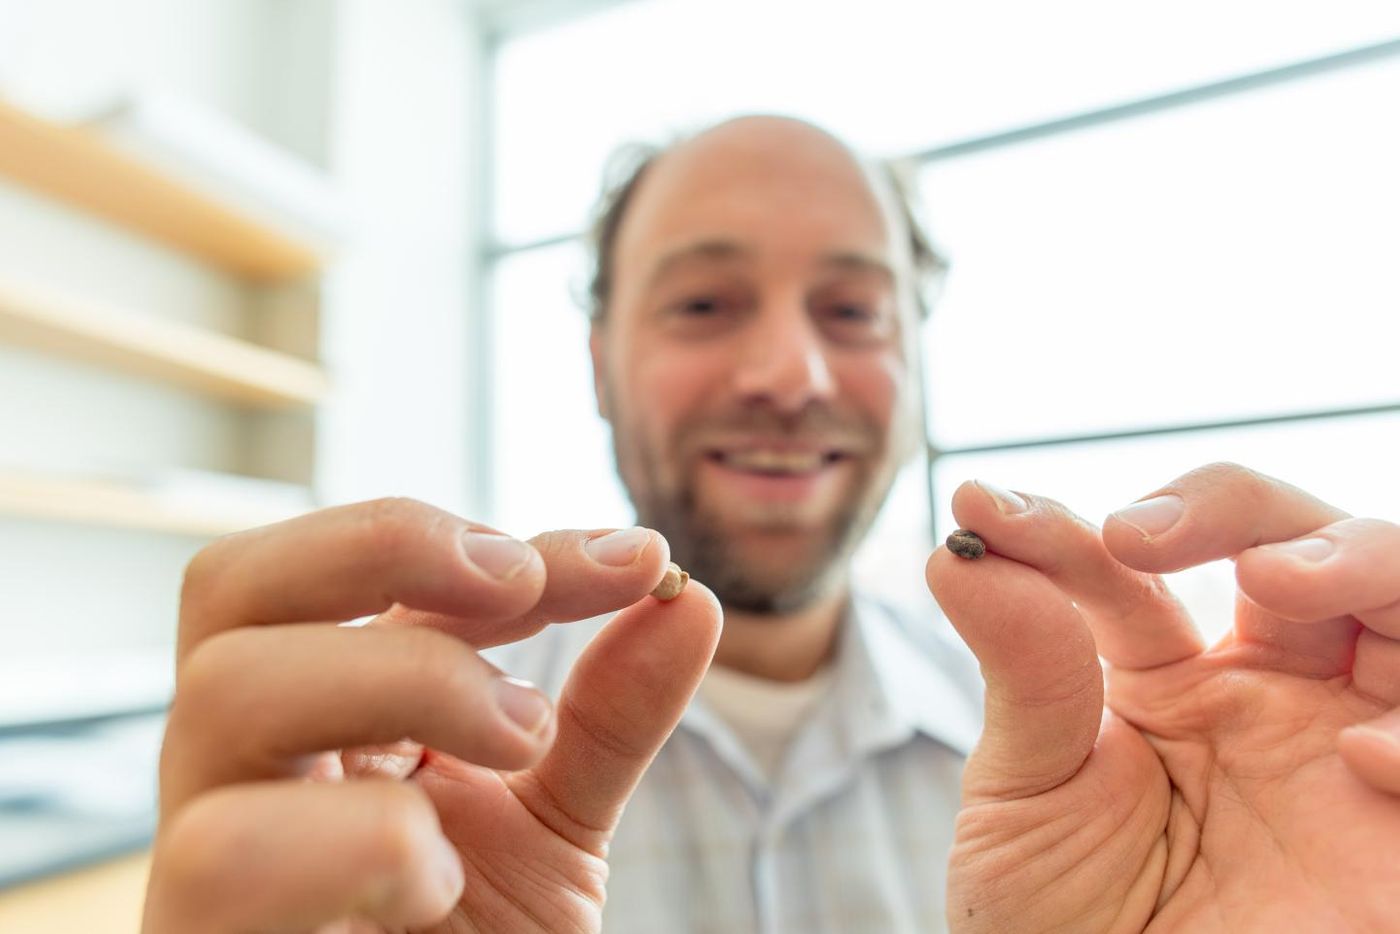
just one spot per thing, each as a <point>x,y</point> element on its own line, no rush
<point>703,545</point>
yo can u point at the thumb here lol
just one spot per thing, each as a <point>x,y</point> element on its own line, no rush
<point>1044,685</point>
<point>624,696</point>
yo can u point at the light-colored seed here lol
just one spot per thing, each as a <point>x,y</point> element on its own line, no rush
<point>672,584</point>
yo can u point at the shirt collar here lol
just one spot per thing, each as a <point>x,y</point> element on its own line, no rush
<point>919,683</point>
<point>888,685</point>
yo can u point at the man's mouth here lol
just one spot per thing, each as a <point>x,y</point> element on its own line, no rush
<point>776,462</point>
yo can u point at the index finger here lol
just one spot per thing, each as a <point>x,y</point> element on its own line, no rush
<point>589,573</point>
<point>351,561</point>
<point>1220,511</point>
<point>1212,512</point>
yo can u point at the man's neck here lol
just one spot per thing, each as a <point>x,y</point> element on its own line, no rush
<point>782,647</point>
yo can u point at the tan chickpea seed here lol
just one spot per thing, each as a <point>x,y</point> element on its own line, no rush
<point>966,543</point>
<point>672,584</point>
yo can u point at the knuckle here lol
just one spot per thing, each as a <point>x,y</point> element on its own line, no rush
<point>202,571</point>
<point>205,669</point>
<point>561,543</point>
<point>208,690</point>
<point>402,818</point>
<point>194,847</point>
<point>456,669</point>
<point>440,662</point>
<point>1231,475</point>
<point>609,733</point>
<point>392,525</point>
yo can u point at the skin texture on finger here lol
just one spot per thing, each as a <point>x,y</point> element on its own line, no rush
<point>1045,688</point>
<point>372,849</point>
<point>1136,621</point>
<point>1219,511</point>
<point>624,696</point>
<point>351,561</point>
<point>588,573</point>
<point>327,687</point>
<point>1351,567</point>
<point>1372,751</point>
<point>382,760</point>
<point>1376,669</point>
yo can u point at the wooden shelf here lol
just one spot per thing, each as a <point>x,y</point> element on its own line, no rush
<point>76,166</point>
<point>92,502</point>
<point>156,349</point>
<point>107,897</point>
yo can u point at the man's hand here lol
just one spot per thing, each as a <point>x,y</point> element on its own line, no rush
<point>1254,786</point>
<point>313,773</point>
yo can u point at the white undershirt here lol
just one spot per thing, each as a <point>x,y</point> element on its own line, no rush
<point>765,715</point>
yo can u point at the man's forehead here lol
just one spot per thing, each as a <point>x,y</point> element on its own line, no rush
<point>753,173</point>
<point>723,251</point>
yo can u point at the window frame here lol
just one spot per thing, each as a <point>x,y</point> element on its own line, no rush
<point>499,29</point>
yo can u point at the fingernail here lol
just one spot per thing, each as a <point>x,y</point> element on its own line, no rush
<point>1007,503</point>
<point>1304,549</point>
<point>447,864</point>
<point>498,555</point>
<point>618,549</point>
<point>522,702</point>
<point>1153,516</point>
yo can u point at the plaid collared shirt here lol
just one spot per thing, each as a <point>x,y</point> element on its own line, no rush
<point>854,834</point>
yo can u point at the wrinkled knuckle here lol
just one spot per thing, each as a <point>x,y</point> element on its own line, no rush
<point>1233,476</point>
<point>603,731</point>
<point>558,544</point>
<point>391,525</point>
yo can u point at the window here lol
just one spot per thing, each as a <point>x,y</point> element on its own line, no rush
<point>1157,219</point>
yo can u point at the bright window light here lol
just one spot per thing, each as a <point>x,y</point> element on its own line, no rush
<point>891,76</point>
<point>1226,260</point>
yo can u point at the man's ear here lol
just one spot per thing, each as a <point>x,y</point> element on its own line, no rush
<point>595,350</point>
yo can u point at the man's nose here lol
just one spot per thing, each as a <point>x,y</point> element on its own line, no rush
<point>783,361</point>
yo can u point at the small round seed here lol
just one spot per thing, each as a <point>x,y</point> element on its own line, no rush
<point>966,544</point>
<point>672,584</point>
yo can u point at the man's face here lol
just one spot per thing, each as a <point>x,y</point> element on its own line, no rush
<point>754,359</point>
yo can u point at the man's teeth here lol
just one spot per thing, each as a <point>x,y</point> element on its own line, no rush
<point>776,461</point>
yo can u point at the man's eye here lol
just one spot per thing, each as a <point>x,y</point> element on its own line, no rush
<point>856,322</point>
<point>852,313</point>
<point>698,307</point>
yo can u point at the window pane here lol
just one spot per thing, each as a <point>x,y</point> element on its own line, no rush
<point>552,452</point>
<point>1348,462</point>
<point>890,75</point>
<point>1228,259</point>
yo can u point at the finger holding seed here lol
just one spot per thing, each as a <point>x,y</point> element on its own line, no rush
<point>966,543</point>
<point>672,584</point>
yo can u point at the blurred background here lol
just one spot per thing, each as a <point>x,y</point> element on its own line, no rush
<point>258,256</point>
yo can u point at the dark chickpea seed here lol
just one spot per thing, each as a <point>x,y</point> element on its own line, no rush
<point>967,544</point>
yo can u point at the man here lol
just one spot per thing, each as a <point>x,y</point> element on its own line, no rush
<point>756,310</point>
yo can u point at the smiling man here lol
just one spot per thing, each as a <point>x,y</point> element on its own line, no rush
<point>755,308</point>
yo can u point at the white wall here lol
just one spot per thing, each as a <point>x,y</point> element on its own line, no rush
<point>377,93</point>
<point>398,304</point>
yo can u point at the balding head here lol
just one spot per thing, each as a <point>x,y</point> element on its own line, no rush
<point>785,149</point>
